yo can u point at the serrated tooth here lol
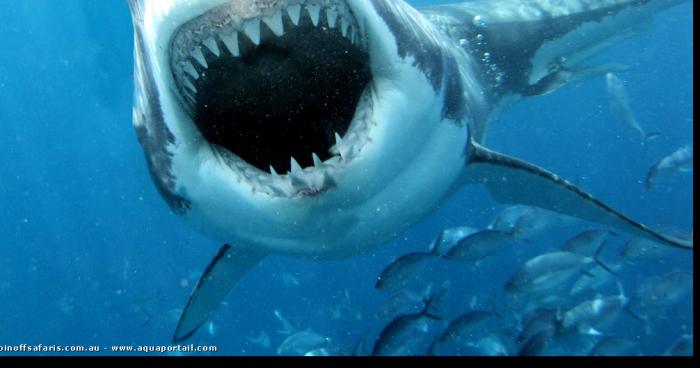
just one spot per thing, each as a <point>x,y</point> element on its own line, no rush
<point>314,12</point>
<point>332,15</point>
<point>317,160</point>
<point>344,24</point>
<point>275,23</point>
<point>294,12</point>
<point>190,69</point>
<point>252,30</point>
<point>210,43</point>
<point>197,55</point>
<point>231,43</point>
<point>296,168</point>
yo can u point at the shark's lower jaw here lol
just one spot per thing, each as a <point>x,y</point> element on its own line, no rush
<point>281,91</point>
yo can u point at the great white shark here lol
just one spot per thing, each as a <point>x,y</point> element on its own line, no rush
<point>322,128</point>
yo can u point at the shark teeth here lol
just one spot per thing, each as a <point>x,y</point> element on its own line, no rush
<point>197,55</point>
<point>197,44</point>
<point>231,43</point>
<point>251,29</point>
<point>317,161</point>
<point>314,13</point>
<point>190,69</point>
<point>210,44</point>
<point>274,22</point>
<point>332,15</point>
<point>294,12</point>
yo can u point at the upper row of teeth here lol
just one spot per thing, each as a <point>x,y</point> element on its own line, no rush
<point>192,50</point>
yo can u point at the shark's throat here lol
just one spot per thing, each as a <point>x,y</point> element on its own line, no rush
<point>275,86</point>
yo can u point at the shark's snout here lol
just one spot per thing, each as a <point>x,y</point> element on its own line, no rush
<point>273,84</point>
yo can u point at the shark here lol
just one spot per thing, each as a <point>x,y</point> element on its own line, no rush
<point>323,128</point>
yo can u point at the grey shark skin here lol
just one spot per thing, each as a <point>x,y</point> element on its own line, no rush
<point>373,113</point>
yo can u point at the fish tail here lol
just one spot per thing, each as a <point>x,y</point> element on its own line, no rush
<point>651,175</point>
<point>434,248</point>
<point>599,261</point>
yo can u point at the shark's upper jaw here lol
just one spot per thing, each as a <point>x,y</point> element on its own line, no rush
<point>274,87</point>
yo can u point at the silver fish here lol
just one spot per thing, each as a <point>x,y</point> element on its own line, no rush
<point>620,106</point>
<point>399,271</point>
<point>585,243</point>
<point>546,272</point>
<point>592,316</point>
<point>402,335</point>
<point>449,238</point>
<point>403,301</point>
<point>657,293</point>
<point>479,245</point>
<point>536,344</point>
<point>594,279</point>
<point>525,222</point>
<point>302,342</point>
<point>641,248</point>
<point>615,346</point>
<point>679,160</point>
<point>467,327</point>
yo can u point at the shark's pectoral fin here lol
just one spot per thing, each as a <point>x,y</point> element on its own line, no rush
<point>224,271</point>
<point>514,181</point>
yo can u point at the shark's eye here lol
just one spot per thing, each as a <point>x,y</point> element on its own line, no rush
<point>274,90</point>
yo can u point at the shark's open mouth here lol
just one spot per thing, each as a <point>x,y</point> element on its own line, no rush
<point>283,86</point>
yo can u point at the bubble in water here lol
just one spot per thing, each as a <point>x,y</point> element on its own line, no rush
<point>479,21</point>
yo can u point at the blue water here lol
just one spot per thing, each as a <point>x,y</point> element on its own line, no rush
<point>88,249</point>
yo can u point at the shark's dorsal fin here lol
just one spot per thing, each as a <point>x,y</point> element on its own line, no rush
<point>224,271</point>
<point>514,181</point>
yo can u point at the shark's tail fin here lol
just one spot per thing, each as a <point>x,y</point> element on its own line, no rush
<point>532,47</point>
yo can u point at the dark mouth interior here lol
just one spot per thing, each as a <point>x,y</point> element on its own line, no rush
<point>285,98</point>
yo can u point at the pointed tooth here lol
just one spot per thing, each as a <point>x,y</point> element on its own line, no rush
<point>197,55</point>
<point>231,43</point>
<point>344,24</point>
<point>275,23</point>
<point>190,69</point>
<point>296,168</point>
<point>252,30</point>
<point>210,43</point>
<point>353,35</point>
<point>332,15</point>
<point>186,82</point>
<point>314,12</point>
<point>294,12</point>
<point>317,160</point>
<point>273,172</point>
<point>338,140</point>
